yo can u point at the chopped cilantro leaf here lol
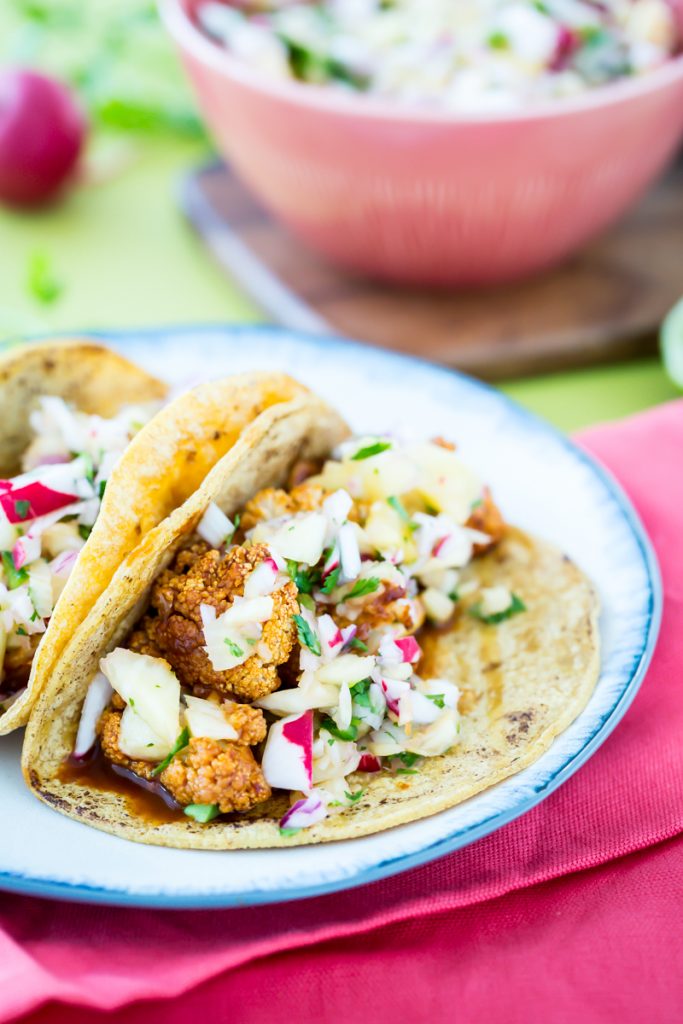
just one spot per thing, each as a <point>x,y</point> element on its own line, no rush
<point>34,616</point>
<point>234,648</point>
<point>14,577</point>
<point>436,698</point>
<point>353,798</point>
<point>360,693</point>
<point>304,580</point>
<point>307,601</point>
<point>476,504</point>
<point>370,450</point>
<point>102,488</point>
<point>407,771</point>
<point>89,465</point>
<point>407,758</point>
<point>22,508</point>
<point>400,508</point>
<point>516,606</point>
<point>306,636</point>
<point>202,812</point>
<point>287,832</point>
<point>84,531</point>
<point>363,587</point>
<point>454,596</point>
<point>357,644</point>
<point>21,631</point>
<point>331,580</point>
<point>179,744</point>
<point>341,734</point>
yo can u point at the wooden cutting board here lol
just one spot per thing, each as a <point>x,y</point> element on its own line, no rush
<point>603,305</point>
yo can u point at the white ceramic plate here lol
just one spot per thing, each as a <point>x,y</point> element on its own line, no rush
<point>542,482</point>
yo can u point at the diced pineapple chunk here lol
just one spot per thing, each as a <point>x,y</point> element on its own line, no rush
<point>438,606</point>
<point>206,719</point>
<point>148,686</point>
<point>138,741</point>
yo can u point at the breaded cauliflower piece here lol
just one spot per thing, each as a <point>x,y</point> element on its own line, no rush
<point>206,771</point>
<point>216,772</point>
<point>272,503</point>
<point>173,628</point>
<point>487,518</point>
<point>247,721</point>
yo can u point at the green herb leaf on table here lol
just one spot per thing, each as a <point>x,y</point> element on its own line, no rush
<point>42,283</point>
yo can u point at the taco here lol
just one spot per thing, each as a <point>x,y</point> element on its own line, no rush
<point>323,642</point>
<point>88,469</point>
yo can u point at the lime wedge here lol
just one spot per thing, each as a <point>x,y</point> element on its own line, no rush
<point>671,340</point>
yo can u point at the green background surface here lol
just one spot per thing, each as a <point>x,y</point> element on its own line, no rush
<point>122,250</point>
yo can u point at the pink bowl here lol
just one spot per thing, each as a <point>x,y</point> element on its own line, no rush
<point>426,197</point>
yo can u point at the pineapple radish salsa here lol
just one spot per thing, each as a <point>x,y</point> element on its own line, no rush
<point>46,515</point>
<point>468,56</point>
<point>279,650</point>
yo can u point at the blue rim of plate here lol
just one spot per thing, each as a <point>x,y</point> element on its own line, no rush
<point>17,883</point>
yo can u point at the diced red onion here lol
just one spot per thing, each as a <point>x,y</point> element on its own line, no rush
<point>349,634</point>
<point>337,507</point>
<point>409,648</point>
<point>369,763</point>
<point>63,563</point>
<point>287,761</point>
<point>41,500</point>
<point>349,552</point>
<point>26,549</point>
<point>215,527</point>
<point>330,633</point>
<point>304,813</point>
<point>96,700</point>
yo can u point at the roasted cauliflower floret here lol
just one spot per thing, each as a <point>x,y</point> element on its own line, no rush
<point>216,772</point>
<point>173,628</point>
<point>487,518</point>
<point>272,503</point>
<point>247,721</point>
<point>206,771</point>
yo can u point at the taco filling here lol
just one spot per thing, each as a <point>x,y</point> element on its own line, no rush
<point>46,515</point>
<point>280,650</point>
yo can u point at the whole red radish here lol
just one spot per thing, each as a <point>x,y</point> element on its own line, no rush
<point>42,131</point>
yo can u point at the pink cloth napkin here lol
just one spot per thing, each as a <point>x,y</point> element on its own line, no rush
<point>509,928</point>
